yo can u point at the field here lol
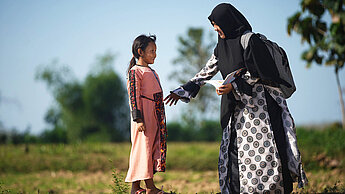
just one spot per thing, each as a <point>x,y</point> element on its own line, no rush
<point>191,167</point>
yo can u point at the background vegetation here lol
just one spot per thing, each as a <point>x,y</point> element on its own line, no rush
<point>191,166</point>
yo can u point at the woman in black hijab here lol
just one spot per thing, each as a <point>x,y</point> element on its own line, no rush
<point>258,152</point>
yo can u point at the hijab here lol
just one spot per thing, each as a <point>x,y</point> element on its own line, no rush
<point>229,51</point>
<point>230,20</point>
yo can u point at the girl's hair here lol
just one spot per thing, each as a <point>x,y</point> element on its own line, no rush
<point>140,42</point>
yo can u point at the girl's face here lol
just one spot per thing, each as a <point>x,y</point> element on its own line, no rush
<point>149,54</point>
<point>217,29</point>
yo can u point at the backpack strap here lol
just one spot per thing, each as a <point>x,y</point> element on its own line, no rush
<point>245,39</point>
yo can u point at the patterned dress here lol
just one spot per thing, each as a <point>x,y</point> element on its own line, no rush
<point>148,151</point>
<point>258,151</point>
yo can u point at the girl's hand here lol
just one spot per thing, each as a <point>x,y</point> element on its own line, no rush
<point>224,89</point>
<point>172,98</point>
<point>141,127</point>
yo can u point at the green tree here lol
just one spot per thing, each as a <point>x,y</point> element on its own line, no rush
<point>194,51</point>
<point>95,109</point>
<point>325,37</point>
<point>57,133</point>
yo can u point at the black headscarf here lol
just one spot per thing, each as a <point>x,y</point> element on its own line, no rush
<point>230,20</point>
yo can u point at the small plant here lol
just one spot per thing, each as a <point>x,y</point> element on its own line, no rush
<point>119,186</point>
<point>336,188</point>
<point>3,190</point>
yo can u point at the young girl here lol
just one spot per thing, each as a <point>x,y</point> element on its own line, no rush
<point>148,128</point>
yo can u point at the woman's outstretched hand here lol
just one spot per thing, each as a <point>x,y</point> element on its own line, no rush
<point>224,89</point>
<point>172,98</point>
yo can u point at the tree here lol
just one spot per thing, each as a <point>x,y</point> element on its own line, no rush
<point>95,109</point>
<point>326,38</point>
<point>194,52</point>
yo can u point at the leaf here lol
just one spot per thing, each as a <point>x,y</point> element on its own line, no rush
<point>308,54</point>
<point>307,28</point>
<point>293,22</point>
<point>315,7</point>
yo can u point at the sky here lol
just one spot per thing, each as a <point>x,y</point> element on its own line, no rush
<point>36,32</point>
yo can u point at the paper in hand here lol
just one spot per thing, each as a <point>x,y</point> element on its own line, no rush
<point>215,83</point>
<point>229,78</point>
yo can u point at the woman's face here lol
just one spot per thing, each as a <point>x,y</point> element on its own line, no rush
<point>217,29</point>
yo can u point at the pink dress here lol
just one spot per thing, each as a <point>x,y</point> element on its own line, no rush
<point>148,152</point>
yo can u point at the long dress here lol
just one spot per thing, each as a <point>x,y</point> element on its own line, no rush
<point>258,151</point>
<point>148,151</point>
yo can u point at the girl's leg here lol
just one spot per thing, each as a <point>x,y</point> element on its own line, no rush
<point>135,187</point>
<point>150,187</point>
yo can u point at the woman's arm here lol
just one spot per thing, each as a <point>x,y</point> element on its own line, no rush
<point>192,87</point>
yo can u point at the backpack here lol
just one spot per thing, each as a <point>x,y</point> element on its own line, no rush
<point>280,59</point>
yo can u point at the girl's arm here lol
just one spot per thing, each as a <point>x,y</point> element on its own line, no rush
<point>134,79</point>
<point>192,87</point>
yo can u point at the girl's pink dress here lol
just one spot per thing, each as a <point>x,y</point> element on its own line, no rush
<point>148,152</point>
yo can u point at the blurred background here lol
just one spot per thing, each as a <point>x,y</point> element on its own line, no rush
<point>64,115</point>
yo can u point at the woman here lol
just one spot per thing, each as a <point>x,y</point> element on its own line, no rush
<point>258,152</point>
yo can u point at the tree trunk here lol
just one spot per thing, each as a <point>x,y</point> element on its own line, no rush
<point>341,98</point>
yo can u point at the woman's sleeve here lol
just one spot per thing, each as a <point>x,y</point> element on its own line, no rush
<point>134,94</point>
<point>192,87</point>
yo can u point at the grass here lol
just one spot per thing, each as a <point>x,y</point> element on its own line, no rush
<point>191,167</point>
<point>322,149</point>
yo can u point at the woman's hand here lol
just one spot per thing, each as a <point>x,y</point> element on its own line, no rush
<point>172,98</point>
<point>224,89</point>
<point>141,126</point>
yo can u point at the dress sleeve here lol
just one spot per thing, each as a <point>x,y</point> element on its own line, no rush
<point>192,87</point>
<point>134,94</point>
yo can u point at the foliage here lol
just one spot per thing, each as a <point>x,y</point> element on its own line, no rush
<point>118,185</point>
<point>325,37</point>
<point>91,110</point>
<point>196,155</point>
<point>15,137</point>
<point>336,188</point>
<point>194,51</point>
<point>207,130</point>
<point>3,190</point>
<point>84,168</point>
<point>56,135</point>
<point>322,148</point>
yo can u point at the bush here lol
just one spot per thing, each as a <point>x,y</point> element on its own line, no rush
<point>207,131</point>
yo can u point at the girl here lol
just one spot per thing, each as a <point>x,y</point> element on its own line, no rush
<point>148,128</point>
<point>258,152</point>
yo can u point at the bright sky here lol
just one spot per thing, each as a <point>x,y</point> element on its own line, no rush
<point>34,32</point>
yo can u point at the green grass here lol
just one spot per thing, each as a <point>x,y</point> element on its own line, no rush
<point>78,157</point>
<point>95,157</point>
<point>321,147</point>
<point>191,167</point>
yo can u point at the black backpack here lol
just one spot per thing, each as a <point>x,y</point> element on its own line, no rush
<point>280,58</point>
